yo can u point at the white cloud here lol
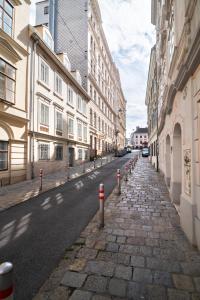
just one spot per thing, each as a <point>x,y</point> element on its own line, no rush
<point>130,36</point>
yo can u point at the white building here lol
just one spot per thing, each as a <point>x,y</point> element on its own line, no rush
<point>58,109</point>
<point>139,138</point>
<point>42,13</point>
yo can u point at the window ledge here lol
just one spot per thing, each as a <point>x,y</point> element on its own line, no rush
<point>44,85</point>
<point>6,101</point>
<point>71,105</point>
<point>58,95</point>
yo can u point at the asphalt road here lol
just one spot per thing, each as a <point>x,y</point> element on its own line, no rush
<point>35,234</point>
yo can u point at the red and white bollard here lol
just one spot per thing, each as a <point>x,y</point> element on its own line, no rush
<point>118,182</point>
<point>6,281</point>
<point>41,176</point>
<point>101,204</point>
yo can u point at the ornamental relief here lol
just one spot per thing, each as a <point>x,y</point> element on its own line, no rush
<point>187,171</point>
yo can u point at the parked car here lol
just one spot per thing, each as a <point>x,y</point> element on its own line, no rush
<point>145,152</point>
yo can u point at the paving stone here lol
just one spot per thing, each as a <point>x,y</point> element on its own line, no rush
<point>78,265</point>
<point>117,287</point>
<point>183,282</point>
<point>87,253</point>
<point>162,278</point>
<point>111,238</point>
<point>135,291</point>
<point>80,295</point>
<point>163,265</point>
<point>100,245</point>
<point>156,292</point>
<point>137,261</point>
<point>191,268</point>
<point>96,283</point>
<point>113,247</point>
<point>100,268</point>
<point>137,241</point>
<point>121,239</point>
<point>73,279</point>
<point>100,297</point>
<point>142,275</point>
<point>197,283</point>
<point>123,272</point>
<point>174,294</point>
<point>195,296</point>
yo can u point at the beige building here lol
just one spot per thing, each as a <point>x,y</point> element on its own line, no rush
<point>139,138</point>
<point>152,111</point>
<point>58,109</point>
<point>14,39</point>
<point>108,105</point>
<point>178,98</point>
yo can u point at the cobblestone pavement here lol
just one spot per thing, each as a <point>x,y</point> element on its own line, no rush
<point>141,253</point>
<point>16,193</point>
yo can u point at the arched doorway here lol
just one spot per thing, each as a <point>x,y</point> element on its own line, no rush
<point>177,165</point>
<point>168,161</point>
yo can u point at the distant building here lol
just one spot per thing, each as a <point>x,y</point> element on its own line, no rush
<point>139,138</point>
<point>42,13</point>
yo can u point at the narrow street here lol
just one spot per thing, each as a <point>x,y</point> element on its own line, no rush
<point>34,235</point>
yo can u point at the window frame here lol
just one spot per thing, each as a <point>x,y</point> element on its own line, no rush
<point>72,132</point>
<point>41,122</point>
<point>57,146</point>
<point>48,151</point>
<point>7,156</point>
<point>42,61</point>
<point>58,80</point>
<point>57,112</point>
<point>7,77</point>
<point>3,18</point>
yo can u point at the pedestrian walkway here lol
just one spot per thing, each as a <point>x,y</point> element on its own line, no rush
<point>16,193</point>
<point>141,253</point>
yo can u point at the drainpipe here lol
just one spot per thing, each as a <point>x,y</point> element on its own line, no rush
<point>32,108</point>
<point>157,139</point>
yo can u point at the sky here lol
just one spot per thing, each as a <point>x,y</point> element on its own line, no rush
<point>130,36</point>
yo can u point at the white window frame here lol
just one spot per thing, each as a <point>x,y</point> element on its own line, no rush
<point>42,157</point>
<point>44,77</point>
<point>58,84</point>
<point>79,103</point>
<point>44,120</point>
<point>58,128</point>
<point>85,133</point>
<point>79,130</point>
<point>70,128</point>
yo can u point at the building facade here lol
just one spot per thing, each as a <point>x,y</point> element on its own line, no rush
<point>152,111</point>
<point>139,138</point>
<point>14,39</point>
<point>78,31</point>
<point>178,102</point>
<point>58,109</point>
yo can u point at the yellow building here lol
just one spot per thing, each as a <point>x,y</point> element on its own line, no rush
<point>14,19</point>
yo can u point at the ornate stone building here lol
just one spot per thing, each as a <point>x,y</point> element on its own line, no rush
<point>14,39</point>
<point>76,27</point>
<point>177,25</point>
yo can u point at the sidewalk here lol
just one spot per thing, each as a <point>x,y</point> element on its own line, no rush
<point>16,193</point>
<point>141,253</point>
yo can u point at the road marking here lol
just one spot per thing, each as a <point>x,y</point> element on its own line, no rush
<point>79,185</point>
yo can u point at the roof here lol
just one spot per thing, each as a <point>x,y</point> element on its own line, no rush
<point>141,130</point>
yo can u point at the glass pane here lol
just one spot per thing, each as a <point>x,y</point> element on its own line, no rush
<point>10,85</point>
<point>3,161</point>
<point>10,71</point>
<point>10,96</point>
<point>3,146</point>
<point>2,66</point>
<point>7,20</point>
<point>8,8</point>
<point>2,86</point>
<point>1,2</point>
<point>7,29</point>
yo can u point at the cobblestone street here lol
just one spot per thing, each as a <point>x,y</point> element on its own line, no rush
<point>141,253</point>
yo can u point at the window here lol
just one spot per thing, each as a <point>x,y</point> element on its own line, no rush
<point>79,102</point>
<point>95,120</point>
<point>59,124</point>
<point>7,82</point>
<point>46,10</point>
<point>3,155</point>
<point>44,114</point>
<point>59,152</point>
<point>91,118</point>
<point>79,131</point>
<point>6,16</point>
<point>85,132</point>
<point>70,96</point>
<point>99,121</point>
<point>80,154</point>
<point>71,126</point>
<point>44,72</point>
<point>48,40</point>
<point>84,107</point>
<point>86,154</point>
<point>58,84</point>
<point>95,96</point>
<point>44,151</point>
